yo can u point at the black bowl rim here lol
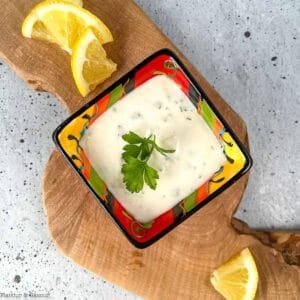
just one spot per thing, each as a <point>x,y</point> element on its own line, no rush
<point>245,169</point>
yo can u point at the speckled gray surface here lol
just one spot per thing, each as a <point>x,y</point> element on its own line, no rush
<point>250,52</point>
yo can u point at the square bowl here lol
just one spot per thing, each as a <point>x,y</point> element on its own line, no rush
<point>68,135</point>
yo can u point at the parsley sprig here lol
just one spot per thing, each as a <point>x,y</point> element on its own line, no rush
<point>136,154</point>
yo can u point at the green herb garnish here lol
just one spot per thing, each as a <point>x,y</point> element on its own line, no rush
<point>135,168</point>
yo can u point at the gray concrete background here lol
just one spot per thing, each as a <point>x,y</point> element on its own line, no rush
<point>250,52</point>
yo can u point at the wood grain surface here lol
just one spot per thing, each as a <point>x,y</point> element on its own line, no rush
<point>180,264</point>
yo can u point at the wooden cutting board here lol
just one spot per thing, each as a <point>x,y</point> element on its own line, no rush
<point>179,265</point>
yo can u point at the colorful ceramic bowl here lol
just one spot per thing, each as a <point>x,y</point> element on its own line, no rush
<point>67,137</point>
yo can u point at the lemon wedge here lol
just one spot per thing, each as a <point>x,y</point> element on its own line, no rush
<point>89,63</point>
<point>237,279</point>
<point>62,22</point>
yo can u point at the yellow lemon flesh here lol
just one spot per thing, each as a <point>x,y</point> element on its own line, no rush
<point>237,279</point>
<point>90,65</point>
<point>62,22</point>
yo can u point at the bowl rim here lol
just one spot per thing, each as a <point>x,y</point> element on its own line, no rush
<point>244,150</point>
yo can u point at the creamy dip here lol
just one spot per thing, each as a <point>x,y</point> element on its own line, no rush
<point>156,107</point>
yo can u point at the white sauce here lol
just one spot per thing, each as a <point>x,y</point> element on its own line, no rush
<point>156,107</point>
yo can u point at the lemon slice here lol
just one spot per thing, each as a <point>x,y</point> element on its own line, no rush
<point>62,23</point>
<point>237,279</point>
<point>90,65</point>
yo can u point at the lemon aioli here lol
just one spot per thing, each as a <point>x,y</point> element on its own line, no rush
<point>157,107</point>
